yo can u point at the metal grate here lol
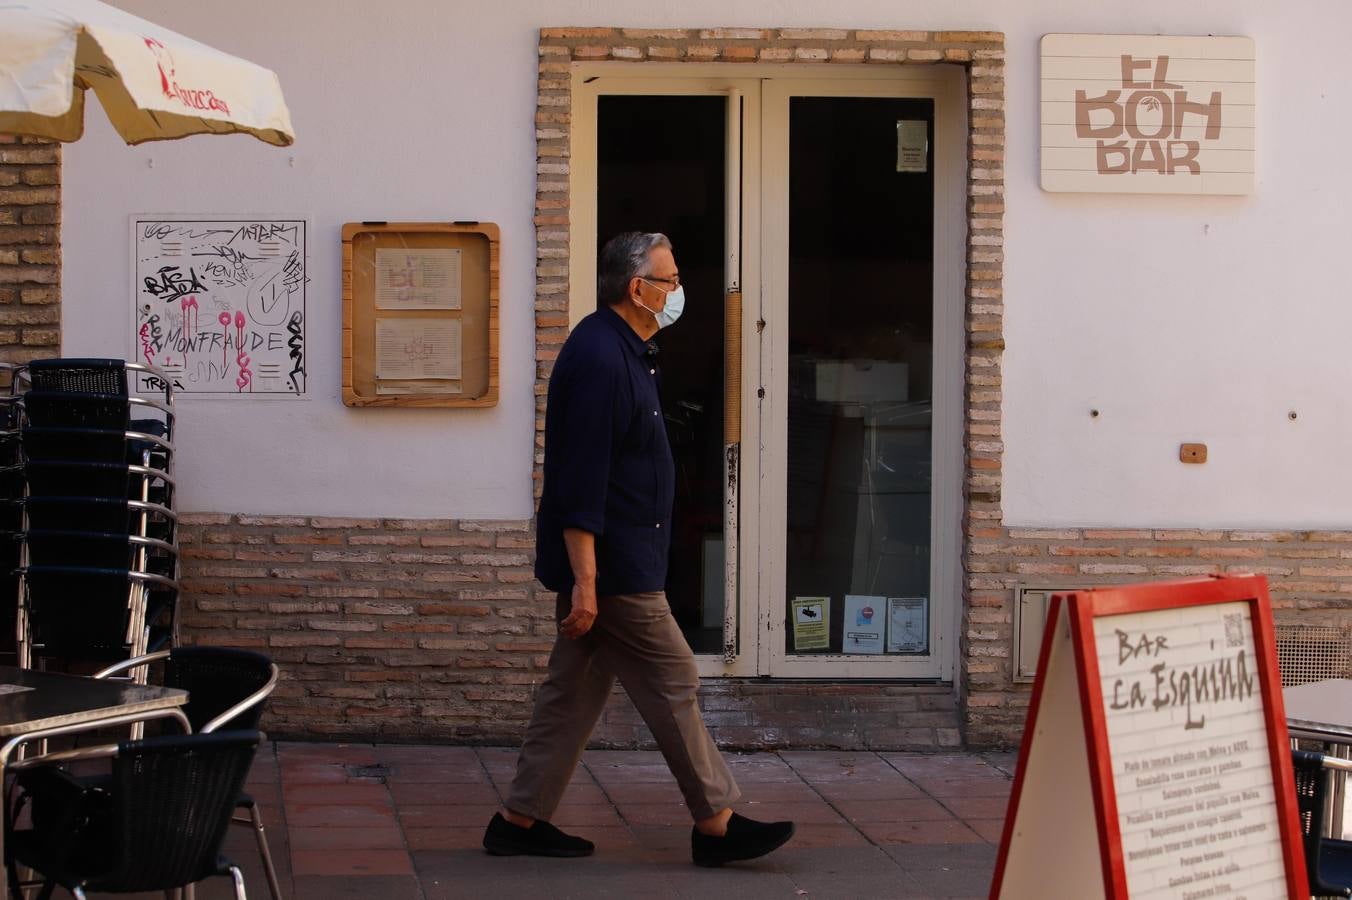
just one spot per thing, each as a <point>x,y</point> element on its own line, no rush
<point>1308,653</point>
<point>1030,616</point>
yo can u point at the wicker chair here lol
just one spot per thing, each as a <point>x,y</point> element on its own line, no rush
<point>88,613</point>
<point>93,459</point>
<point>226,688</point>
<point>101,376</point>
<point>1327,860</point>
<point>156,823</point>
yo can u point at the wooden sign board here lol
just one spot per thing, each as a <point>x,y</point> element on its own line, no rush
<point>420,314</point>
<point>1155,761</point>
<point>1148,114</point>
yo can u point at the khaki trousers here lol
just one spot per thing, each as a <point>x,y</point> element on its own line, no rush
<point>635,639</point>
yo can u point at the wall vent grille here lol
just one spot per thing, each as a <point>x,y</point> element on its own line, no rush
<point>1313,652</point>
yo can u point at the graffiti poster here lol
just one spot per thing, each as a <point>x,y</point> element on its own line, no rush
<point>219,304</point>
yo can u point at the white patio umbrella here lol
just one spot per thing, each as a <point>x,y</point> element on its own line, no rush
<point>154,84</point>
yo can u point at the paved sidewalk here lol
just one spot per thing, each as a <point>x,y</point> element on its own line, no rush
<point>394,822</point>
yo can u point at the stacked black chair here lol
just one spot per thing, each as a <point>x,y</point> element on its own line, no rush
<point>1328,860</point>
<point>155,823</point>
<point>11,521</point>
<point>98,560</point>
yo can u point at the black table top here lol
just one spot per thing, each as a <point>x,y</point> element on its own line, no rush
<point>30,701</point>
<point>1322,708</point>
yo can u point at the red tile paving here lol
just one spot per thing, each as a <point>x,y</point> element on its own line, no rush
<point>464,837</point>
<point>351,862</point>
<point>391,822</point>
<point>920,831</point>
<point>391,838</point>
<point>910,810</point>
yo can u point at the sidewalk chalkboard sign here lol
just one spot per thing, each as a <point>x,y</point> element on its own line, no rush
<point>1155,762</point>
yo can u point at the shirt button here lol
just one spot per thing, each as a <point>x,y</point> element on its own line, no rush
<point>652,371</point>
<point>659,524</point>
<point>654,412</point>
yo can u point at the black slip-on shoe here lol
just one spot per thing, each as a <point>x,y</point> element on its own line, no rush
<point>502,838</point>
<point>746,839</point>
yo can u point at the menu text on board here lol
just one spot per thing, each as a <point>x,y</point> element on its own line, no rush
<point>1189,753</point>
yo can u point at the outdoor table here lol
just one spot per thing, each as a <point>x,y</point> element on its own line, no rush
<point>1322,711</point>
<point>38,705</point>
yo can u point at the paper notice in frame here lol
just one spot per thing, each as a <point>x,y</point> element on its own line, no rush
<point>811,623</point>
<point>864,623</point>
<point>912,145</point>
<point>418,278</point>
<point>417,349</point>
<point>907,624</point>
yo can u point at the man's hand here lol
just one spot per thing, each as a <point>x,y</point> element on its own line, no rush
<point>583,614</point>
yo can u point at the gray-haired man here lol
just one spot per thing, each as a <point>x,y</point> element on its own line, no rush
<point>603,531</point>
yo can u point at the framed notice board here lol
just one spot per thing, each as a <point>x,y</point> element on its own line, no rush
<point>420,314</point>
<point>1155,761</point>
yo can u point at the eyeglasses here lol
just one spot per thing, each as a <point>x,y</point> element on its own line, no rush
<point>674,281</point>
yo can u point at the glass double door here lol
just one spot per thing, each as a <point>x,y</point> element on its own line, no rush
<point>811,390</point>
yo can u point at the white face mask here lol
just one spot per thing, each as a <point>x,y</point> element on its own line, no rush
<point>669,313</point>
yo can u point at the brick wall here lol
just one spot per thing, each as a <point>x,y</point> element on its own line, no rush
<point>1309,573</point>
<point>403,630</point>
<point>384,628</point>
<point>30,249</point>
<point>399,629</point>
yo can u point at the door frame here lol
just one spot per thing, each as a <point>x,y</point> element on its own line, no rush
<point>944,85</point>
<point>588,86</point>
<point>760,602</point>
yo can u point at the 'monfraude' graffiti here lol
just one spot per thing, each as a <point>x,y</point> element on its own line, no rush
<point>220,304</point>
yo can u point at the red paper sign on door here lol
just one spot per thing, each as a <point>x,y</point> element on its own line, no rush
<point>1154,762</point>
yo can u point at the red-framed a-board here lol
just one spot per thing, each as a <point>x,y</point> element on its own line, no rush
<point>1155,761</point>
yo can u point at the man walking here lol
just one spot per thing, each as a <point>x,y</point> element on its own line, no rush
<point>603,532</point>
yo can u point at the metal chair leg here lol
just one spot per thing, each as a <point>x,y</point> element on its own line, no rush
<point>273,887</point>
<point>78,892</point>
<point>26,877</point>
<point>239,883</point>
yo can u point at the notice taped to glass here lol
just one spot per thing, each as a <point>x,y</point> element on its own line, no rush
<point>1184,711</point>
<point>907,624</point>
<point>863,624</point>
<point>811,623</point>
<point>912,145</point>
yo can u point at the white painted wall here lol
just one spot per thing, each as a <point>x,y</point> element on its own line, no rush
<point>1180,319</point>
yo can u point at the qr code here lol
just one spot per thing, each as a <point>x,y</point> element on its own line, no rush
<point>1234,630</point>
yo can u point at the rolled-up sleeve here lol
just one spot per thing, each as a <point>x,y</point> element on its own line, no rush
<point>581,447</point>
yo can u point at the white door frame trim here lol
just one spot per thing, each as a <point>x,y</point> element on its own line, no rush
<point>587,87</point>
<point>943,84</point>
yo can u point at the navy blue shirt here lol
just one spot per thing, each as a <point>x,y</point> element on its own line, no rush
<point>608,465</point>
